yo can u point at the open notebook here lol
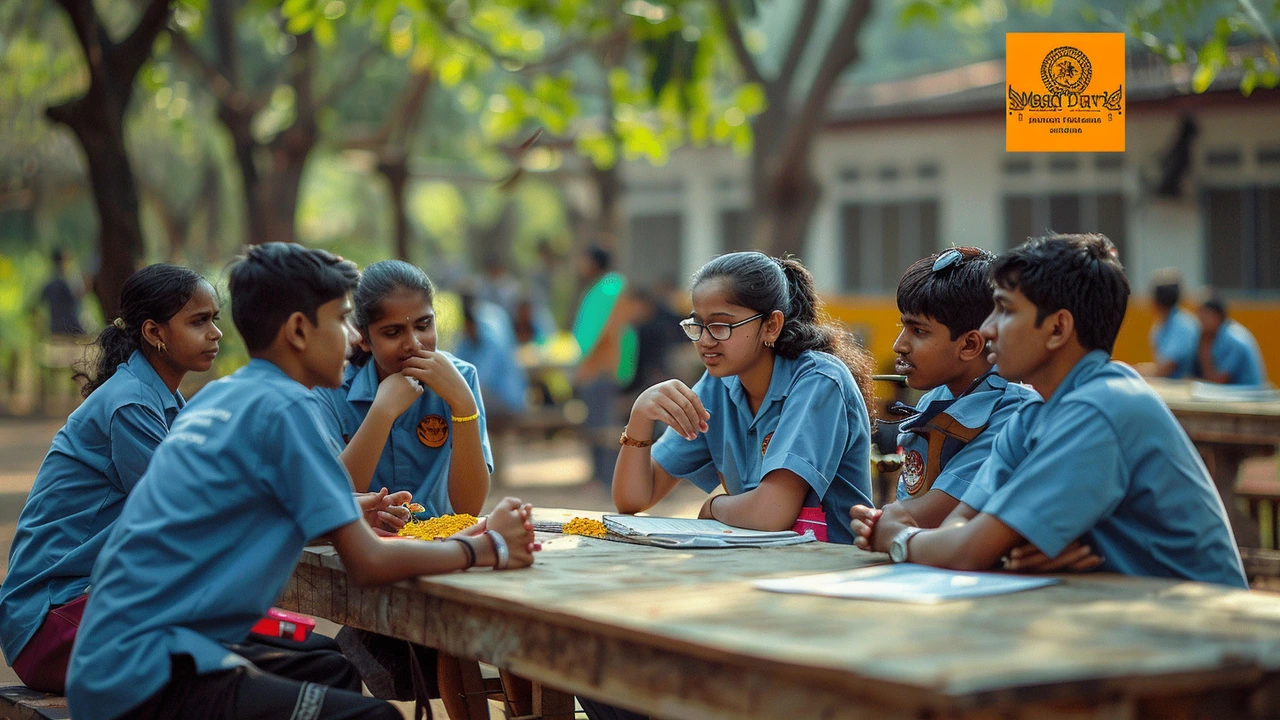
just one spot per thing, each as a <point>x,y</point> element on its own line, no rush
<point>692,533</point>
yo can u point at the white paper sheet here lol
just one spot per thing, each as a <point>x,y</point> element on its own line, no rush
<point>905,583</point>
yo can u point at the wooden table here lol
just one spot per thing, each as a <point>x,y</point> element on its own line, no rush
<point>1225,433</point>
<point>681,634</point>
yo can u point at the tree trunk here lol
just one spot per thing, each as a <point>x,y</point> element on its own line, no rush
<point>395,168</point>
<point>97,119</point>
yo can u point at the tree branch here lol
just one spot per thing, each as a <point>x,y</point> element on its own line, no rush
<point>224,40</point>
<point>84,21</point>
<point>799,41</point>
<point>841,53</point>
<point>135,49</point>
<point>399,121</point>
<point>223,91</point>
<point>354,73</point>
<point>734,33</point>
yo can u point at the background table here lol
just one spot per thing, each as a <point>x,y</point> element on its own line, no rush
<point>1226,433</point>
<point>681,634</point>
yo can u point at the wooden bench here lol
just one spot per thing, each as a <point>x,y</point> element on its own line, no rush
<point>18,702</point>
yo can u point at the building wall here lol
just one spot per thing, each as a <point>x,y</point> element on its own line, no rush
<point>896,191</point>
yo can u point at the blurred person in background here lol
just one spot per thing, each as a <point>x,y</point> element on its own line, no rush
<point>1227,352</point>
<point>1175,335</point>
<point>488,342</point>
<point>608,357</point>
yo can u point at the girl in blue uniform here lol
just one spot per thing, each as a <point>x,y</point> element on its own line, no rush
<point>779,419</point>
<point>411,419</point>
<point>410,416</point>
<point>166,329</point>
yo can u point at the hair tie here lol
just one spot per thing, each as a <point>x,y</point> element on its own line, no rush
<point>119,323</point>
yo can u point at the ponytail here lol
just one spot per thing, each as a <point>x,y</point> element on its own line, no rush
<point>765,284</point>
<point>156,292</point>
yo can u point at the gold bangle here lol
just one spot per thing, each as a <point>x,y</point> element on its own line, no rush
<point>632,442</point>
<point>468,418</point>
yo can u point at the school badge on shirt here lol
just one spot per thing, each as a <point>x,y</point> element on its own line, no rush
<point>765,445</point>
<point>912,471</point>
<point>433,431</point>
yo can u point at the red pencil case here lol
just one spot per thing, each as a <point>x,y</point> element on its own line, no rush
<point>284,624</point>
<point>815,519</point>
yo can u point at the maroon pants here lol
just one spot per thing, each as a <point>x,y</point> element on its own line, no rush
<point>42,664</point>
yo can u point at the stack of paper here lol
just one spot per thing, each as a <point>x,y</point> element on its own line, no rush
<point>691,533</point>
<point>905,583</point>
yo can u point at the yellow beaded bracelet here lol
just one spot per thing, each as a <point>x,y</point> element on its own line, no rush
<point>468,418</point>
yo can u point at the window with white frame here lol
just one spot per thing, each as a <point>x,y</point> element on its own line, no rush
<point>881,238</point>
<point>1242,237</point>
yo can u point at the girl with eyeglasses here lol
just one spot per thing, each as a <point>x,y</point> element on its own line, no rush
<point>779,420</point>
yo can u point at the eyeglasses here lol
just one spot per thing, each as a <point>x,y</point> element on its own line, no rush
<point>719,331</point>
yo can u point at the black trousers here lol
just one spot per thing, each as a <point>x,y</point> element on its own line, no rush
<point>284,682</point>
<point>600,711</point>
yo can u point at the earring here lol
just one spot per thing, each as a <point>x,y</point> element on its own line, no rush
<point>162,347</point>
<point>768,343</point>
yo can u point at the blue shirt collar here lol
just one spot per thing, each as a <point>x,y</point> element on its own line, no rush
<point>779,385</point>
<point>142,369</point>
<point>1080,374</point>
<point>363,382</point>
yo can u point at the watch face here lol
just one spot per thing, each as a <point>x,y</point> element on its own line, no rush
<point>898,550</point>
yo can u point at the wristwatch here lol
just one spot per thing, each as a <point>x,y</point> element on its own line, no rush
<point>898,546</point>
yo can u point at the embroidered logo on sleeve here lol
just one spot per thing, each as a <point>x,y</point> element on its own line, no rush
<point>433,431</point>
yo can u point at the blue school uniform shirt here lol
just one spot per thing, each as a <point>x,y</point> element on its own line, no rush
<point>95,460</point>
<point>1236,353</point>
<point>944,445</point>
<point>1176,339</point>
<point>1105,461</point>
<point>208,538</point>
<point>812,422</point>
<point>416,456</point>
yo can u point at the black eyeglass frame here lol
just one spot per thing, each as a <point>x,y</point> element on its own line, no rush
<point>688,325</point>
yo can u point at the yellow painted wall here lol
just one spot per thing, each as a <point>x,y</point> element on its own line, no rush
<point>875,319</point>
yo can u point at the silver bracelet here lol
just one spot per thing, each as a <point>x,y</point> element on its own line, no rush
<point>499,549</point>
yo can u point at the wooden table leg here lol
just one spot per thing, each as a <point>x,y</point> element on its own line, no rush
<point>551,704</point>
<point>1223,462</point>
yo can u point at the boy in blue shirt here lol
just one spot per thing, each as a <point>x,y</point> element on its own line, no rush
<point>208,538</point>
<point>1100,458</point>
<point>943,300</point>
<point>1228,352</point>
<point>1176,332</point>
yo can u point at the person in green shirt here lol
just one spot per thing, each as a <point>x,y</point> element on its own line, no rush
<point>608,361</point>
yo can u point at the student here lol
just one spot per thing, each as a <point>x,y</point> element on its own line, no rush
<point>943,300</point>
<point>1100,458</point>
<point>212,531</point>
<point>410,416</point>
<point>779,419</point>
<point>1227,352</point>
<point>1176,332</point>
<point>166,329</point>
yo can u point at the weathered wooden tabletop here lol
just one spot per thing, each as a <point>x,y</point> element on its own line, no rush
<point>1221,421</point>
<point>682,634</point>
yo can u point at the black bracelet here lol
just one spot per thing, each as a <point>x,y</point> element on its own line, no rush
<point>471,553</point>
<point>711,506</point>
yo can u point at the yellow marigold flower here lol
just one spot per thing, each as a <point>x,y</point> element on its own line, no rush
<point>583,526</point>
<point>438,527</point>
